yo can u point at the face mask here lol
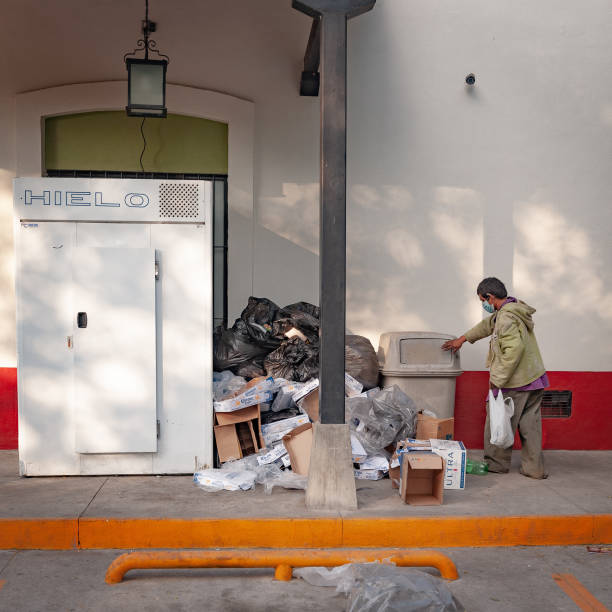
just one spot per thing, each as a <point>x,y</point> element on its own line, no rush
<point>488,307</point>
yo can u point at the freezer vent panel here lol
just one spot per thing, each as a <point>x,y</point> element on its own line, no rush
<point>557,404</point>
<point>178,201</point>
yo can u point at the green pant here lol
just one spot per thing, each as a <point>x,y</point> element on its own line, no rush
<point>528,418</point>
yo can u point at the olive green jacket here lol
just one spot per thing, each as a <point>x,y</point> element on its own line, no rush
<point>514,357</point>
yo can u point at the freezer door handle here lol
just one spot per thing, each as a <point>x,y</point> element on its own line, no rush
<point>82,320</point>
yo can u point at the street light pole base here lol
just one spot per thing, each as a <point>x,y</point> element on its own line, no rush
<point>331,480</point>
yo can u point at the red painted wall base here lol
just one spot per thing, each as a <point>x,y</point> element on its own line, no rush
<point>588,428</point>
<point>8,408</point>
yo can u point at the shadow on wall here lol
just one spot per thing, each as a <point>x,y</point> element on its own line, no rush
<point>560,266</point>
<point>406,261</point>
<point>413,265</point>
<point>294,215</point>
<point>284,271</point>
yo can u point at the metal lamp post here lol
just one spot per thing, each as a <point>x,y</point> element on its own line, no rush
<point>331,482</point>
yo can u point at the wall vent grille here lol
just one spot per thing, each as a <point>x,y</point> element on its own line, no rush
<point>557,404</point>
<point>178,201</point>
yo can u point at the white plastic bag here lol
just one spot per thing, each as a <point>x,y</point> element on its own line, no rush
<point>500,413</point>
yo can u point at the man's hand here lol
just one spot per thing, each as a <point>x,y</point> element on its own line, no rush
<point>453,345</point>
<point>492,386</point>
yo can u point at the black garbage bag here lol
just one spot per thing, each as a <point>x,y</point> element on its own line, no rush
<point>259,316</point>
<point>302,316</point>
<point>294,359</point>
<point>251,369</point>
<point>234,347</point>
<point>361,360</point>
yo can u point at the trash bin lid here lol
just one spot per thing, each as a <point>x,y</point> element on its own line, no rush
<point>417,353</point>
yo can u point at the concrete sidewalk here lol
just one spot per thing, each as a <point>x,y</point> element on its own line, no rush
<point>579,483</point>
<point>573,506</point>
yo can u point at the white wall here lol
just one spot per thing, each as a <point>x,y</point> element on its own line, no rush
<point>7,258</point>
<point>446,185</point>
<point>510,179</point>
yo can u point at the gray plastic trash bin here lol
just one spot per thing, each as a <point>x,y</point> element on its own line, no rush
<point>415,362</point>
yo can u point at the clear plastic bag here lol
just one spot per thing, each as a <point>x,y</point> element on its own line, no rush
<point>213,480</point>
<point>285,479</point>
<point>500,414</point>
<point>383,587</point>
<point>386,588</point>
<point>382,419</point>
<point>243,474</point>
<point>225,383</point>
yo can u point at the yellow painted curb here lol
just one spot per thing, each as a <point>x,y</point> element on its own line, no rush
<point>470,531</point>
<point>39,534</point>
<point>210,533</point>
<point>369,532</point>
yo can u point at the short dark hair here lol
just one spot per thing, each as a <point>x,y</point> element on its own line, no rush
<point>492,286</point>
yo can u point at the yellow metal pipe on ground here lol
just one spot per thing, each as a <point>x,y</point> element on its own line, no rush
<point>283,560</point>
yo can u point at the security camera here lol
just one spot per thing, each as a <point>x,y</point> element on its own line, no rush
<point>470,79</point>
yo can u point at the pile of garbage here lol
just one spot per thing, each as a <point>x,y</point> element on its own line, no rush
<point>264,430</point>
<point>266,340</point>
<point>266,397</point>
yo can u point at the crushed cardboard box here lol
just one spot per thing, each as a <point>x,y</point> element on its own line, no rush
<point>257,391</point>
<point>369,474</point>
<point>272,432</point>
<point>305,389</point>
<point>352,387</point>
<point>298,443</point>
<point>310,405</point>
<point>374,462</point>
<point>272,455</point>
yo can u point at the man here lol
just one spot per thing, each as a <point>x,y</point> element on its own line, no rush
<point>516,368</point>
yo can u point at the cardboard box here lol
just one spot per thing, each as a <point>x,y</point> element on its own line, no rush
<point>358,453</point>
<point>352,387</point>
<point>305,389</point>
<point>452,451</point>
<point>309,402</point>
<point>394,472</point>
<point>284,424</point>
<point>272,455</point>
<point>257,391</point>
<point>440,429</point>
<point>298,443</point>
<point>238,433</point>
<point>310,405</point>
<point>455,456</point>
<point>422,478</point>
<point>374,462</point>
<point>369,474</point>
